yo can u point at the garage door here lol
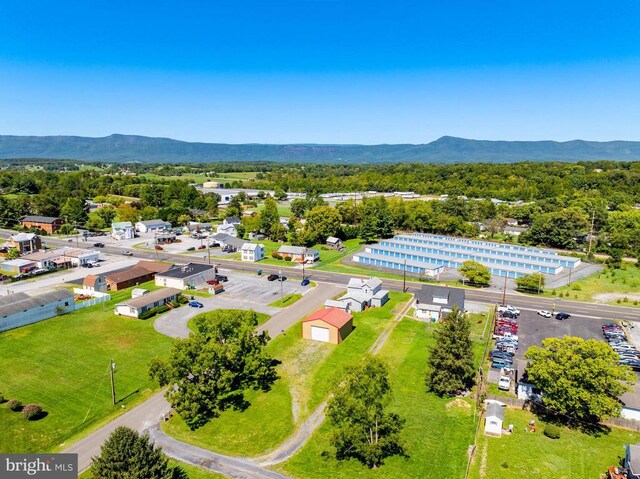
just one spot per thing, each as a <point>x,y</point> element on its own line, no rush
<point>320,334</point>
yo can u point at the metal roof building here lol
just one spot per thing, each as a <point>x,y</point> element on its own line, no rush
<point>20,309</point>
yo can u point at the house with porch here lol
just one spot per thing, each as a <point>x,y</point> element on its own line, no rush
<point>433,302</point>
<point>361,294</point>
<point>25,243</point>
<point>122,230</point>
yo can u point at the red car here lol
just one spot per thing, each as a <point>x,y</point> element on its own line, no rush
<point>202,247</point>
<point>159,248</point>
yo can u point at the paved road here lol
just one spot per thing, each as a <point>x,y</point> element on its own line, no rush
<point>488,295</point>
<point>147,415</point>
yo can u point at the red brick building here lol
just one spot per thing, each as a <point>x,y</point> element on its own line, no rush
<point>49,224</point>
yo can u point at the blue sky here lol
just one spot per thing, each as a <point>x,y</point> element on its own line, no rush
<point>321,71</point>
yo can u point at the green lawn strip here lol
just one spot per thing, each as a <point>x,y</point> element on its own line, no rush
<point>62,364</point>
<point>436,434</point>
<point>619,281</point>
<point>288,300</point>
<point>201,293</point>
<point>307,371</point>
<point>193,472</point>
<point>522,454</point>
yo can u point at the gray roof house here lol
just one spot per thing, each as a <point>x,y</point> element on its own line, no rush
<point>361,294</point>
<point>494,419</point>
<point>432,302</point>
<point>632,460</point>
<point>152,225</point>
<point>20,309</point>
<point>189,276</point>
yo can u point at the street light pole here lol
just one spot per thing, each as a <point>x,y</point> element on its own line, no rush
<point>504,290</point>
<point>404,277</point>
<point>112,366</point>
<point>280,279</point>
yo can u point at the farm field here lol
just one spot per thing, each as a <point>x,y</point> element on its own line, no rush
<point>62,364</point>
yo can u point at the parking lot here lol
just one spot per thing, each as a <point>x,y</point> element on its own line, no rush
<point>256,289</point>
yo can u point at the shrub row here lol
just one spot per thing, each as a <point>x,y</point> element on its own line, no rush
<point>31,411</point>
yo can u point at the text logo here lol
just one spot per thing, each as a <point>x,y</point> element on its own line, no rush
<point>45,466</point>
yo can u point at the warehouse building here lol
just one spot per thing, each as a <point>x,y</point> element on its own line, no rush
<point>20,309</point>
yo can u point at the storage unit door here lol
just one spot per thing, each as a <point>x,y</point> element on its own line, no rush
<point>320,334</point>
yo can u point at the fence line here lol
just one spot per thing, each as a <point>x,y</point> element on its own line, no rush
<point>97,298</point>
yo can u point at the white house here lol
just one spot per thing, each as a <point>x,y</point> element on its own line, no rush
<point>231,220</point>
<point>95,282</point>
<point>152,225</point>
<point>299,253</point>
<point>433,302</point>
<point>138,305</point>
<point>122,230</point>
<point>252,252</point>
<point>361,294</point>
<point>189,276</point>
<point>494,418</point>
<point>227,229</point>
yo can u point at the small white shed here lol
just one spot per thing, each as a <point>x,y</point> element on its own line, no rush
<point>494,419</point>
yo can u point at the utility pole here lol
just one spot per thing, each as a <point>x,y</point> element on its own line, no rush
<point>504,291</point>
<point>593,219</point>
<point>112,366</point>
<point>539,280</point>
<point>304,260</point>
<point>280,278</point>
<point>404,277</point>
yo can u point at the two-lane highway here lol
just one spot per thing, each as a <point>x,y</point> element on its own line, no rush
<point>487,295</point>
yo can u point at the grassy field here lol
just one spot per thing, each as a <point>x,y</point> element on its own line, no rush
<point>288,300</point>
<point>283,210</point>
<point>574,456</point>
<point>308,371</point>
<point>619,283</point>
<point>327,255</point>
<point>62,364</point>
<point>201,177</point>
<point>436,434</point>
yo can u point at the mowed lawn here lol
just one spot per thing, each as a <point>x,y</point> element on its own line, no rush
<point>308,371</point>
<point>436,434</point>
<point>63,363</point>
<point>618,282</point>
<point>533,455</point>
<point>193,472</point>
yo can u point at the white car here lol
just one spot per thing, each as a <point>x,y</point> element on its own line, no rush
<point>504,383</point>
<point>544,314</point>
<point>509,308</point>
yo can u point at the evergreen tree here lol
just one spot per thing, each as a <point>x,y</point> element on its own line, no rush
<point>450,364</point>
<point>128,455</point>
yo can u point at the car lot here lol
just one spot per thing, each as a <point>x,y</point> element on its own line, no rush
<point>534,328</point>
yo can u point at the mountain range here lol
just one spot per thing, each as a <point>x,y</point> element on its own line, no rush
<point>129,148</point>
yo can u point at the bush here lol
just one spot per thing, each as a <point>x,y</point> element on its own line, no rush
<point>14,405</point>
<point>147,314</point>
<point>287,258</point>
<point>551,431</point>
<point>275,254</point>
<point>2,399</point>
<point>162,309</point>
<point>32,411</point>
<point>576,287</point>
<point>182,299</point>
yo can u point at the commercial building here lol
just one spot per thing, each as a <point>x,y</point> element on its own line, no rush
<point>189,276</point>
<point>141,272</point>
<point>17,266</point>
<point>48,224</point>
<point>20,309</point>
<point>150,226</point>
<point>140,304</point>
<point>421,249</point>
<point>330,325</point>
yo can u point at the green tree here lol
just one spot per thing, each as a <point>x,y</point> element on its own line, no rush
<point>209,371</point>
<point>234,208</point>
<point>531,283</point>
<point>269,215</point>
<point>580,379</point>
<point>376,219</point>
<point>184,219</point>
<point>450,364</point>
<point>278,232</point>
<point>147,213</point>
<point>475,273</point>
<point>557,229</point>
<point>298,207</point>
<point>363,427</point>
<point>13,253</point>
<point>280,194</point>
<point>129,455</point>
<point>322,222</point>
<point>74,211</point>
<point>126,212</point>
<point>107,214</point>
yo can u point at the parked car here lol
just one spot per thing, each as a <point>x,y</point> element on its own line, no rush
<point>127,253</point>
<point>508,314</point>
<point>496,353</point>
<point>500,363</point>
<point>196,304</point>
<point>504,383</point>
<point>304,282</point>
<point>508,307</point>
<point>221,277</point>
<point>98,245</point>
<point>213,282</point>
<point>544,313</point>
<point>192,248</point>
<point>272,277</point>
<point>562,316</point>
<point>282,278</point>
<point>202,247</point>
